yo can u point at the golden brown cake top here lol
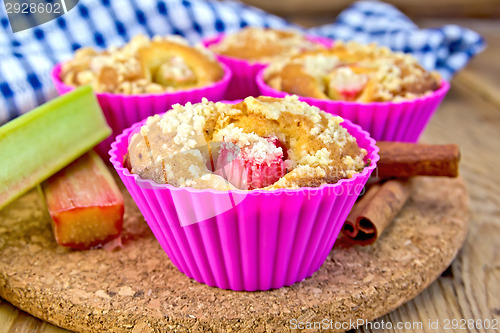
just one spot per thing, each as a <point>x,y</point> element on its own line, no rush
<point>263,44</point>
<point>160,64</point>
<point>264,135</point>
<point>352,72</point>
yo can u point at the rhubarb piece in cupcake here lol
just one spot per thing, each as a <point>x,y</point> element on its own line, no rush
<point>259,143</point>
<point>263,44</point>
<point>260,162</point>
<point>352,72</point>
<point>161,64</point>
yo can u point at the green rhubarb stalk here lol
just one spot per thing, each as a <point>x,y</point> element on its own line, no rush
<point>37,144</point>
<point>85,204</point>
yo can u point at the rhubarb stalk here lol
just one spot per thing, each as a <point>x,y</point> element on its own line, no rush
<point>84,203</point>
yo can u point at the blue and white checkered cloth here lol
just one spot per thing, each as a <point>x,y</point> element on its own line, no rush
<point>27,57</point>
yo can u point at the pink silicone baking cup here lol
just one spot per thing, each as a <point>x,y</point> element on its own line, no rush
<point>121,111</point>
<point>244,72</point>
<point>245,240</point>
<point>385,121</point>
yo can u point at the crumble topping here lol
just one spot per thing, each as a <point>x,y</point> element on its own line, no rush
<point>251,145</point>
<point>352,72</point>
<point>318,64</point>
<point>188,146</point>
<point>143,65</point>
<point>209,180</point>
<point>263,45</point>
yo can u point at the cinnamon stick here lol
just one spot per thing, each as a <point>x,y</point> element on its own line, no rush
<point>403,160</point>
<point>375,210</point>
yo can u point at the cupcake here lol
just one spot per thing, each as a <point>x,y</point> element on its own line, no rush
<point>246,196</point>
<point>388,93</point>
<point>144,77</point>
<point>249,50</point>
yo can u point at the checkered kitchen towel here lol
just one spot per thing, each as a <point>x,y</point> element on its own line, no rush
<point>27,57</point>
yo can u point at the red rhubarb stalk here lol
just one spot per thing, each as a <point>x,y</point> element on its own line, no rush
<point>85,203</point>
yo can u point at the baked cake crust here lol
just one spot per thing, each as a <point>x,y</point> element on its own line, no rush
<point>263,44</point>
<point>352,72</point>
<point>160,64</point>
<point>182,147</point>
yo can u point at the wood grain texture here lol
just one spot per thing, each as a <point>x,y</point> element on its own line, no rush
<point>413,8</point>
<point>13,320</point>
<point>471,287</point>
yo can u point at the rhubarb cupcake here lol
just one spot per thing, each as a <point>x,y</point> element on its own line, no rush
<point>144,77</point>
<point>249,50</point>
<point>246,196</point>
<point>388,93</point>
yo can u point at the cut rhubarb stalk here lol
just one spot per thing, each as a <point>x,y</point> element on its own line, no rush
<point>247,172</point>
<point>85,203</point>
<point>44,140</point>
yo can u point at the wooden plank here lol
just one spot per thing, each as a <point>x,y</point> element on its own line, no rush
<point>8,315</point>
<point>413,8</point>
<point>482,86</point>
<point>13,320</point>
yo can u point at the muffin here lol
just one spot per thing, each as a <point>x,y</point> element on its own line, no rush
<point>161,64</point>
<point>388,93</point>
<point>249,50</point>
<point>245,196</point>
<point>352,72</point>
<point>144,77</point>
<point>263,44</point>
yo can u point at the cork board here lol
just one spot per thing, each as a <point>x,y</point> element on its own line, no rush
<point>137,289</point>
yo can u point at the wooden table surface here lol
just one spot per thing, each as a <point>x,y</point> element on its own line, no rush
<point>470,288</point>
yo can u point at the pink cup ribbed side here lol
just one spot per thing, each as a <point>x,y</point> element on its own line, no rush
<point>121,111</point>
<point>385,121</point>
<point>244,72</point>
<point>265,240</point>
